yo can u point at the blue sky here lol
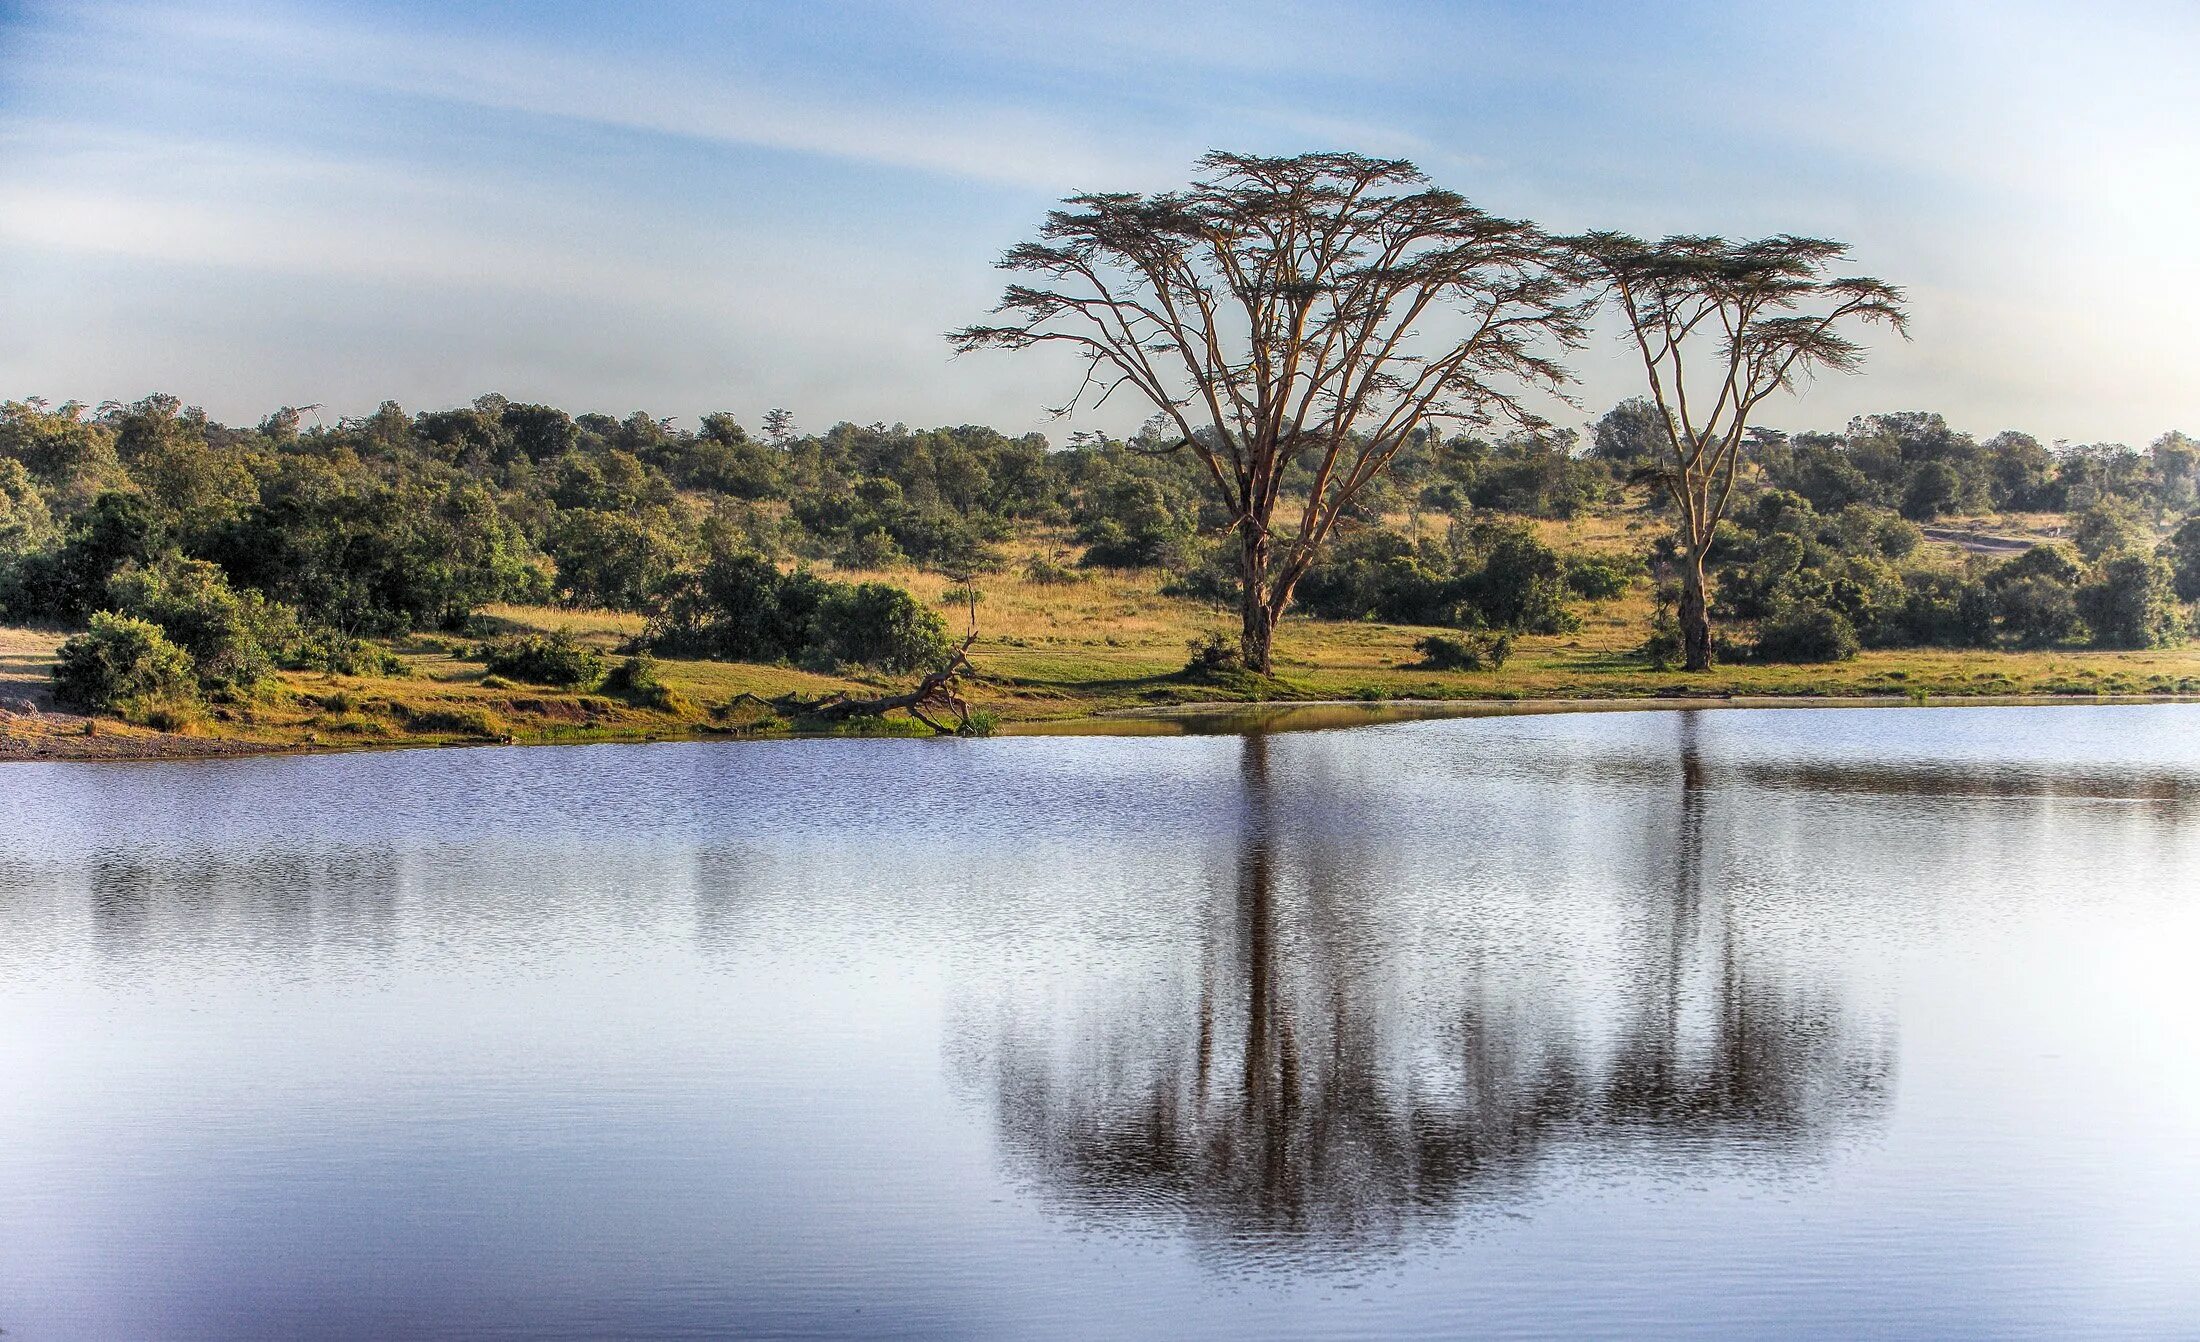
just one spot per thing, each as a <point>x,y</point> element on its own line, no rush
<point>690,207</point>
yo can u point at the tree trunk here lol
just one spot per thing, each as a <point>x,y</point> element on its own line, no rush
<point>1695,613</point>
<point>1259,625</point>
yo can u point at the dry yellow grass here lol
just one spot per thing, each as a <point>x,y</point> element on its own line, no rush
<point>1108,641</point>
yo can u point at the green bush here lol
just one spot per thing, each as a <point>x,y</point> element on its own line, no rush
<point>2182,549</point>
<point>343,654</point>
<point>555,658</point>
<point>2132,604</point>
<point>1046,572</point>
<point>2109,527</point>
<point>1473,650</point>
<point>1595,577</point>
<point>873,550</point>
<point>1214,653</point>
<point>1663,649</point>
<point>457,720</point>
<point>126,666</point>
<point>877,625</point>
<point>1807,632</point>
<point>234,638</point>
<point>2035,596</point>
<point>636,680</point>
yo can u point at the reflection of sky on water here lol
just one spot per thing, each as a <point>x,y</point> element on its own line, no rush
<point>1656,1022</point>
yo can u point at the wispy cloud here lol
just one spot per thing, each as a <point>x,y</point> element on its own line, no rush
<point>808,195</point>
<point>1006,142</point>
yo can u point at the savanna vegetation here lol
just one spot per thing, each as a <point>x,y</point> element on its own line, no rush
<point>506,569</point>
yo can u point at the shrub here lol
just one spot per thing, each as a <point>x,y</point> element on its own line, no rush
<point>877,625</point>
<point>1474,650</point>
<point>2037,611</point>
<point>2035,596</point>
<point>1663,649</point>
<point>343,654</point>
<point>126,666</point>
<point>1807,632</point>
<point>636,680</point>
<point>2182,549</point>
<point>1521,584</point>
<point>740,607</point>
<point>873,549</point>
<point>233,638</point>
<point>2108,527</point>
<point>546,659</point>
<point>1046,572</point>
<point>1214,653</point>
<point>1945,609</point>
<point>2132,604</point>
<point>1595,577</point>
<point>457,720</point>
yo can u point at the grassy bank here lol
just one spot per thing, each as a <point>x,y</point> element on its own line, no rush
<point>1046,651</point>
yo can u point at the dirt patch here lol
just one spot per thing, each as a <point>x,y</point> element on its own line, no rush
<point>1976,542</point>
<point>63,736</point>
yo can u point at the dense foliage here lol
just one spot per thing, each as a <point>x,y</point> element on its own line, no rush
<point>276,545</point>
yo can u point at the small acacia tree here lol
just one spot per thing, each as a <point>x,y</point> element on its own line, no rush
<point>1754,317</point>
<point>1294,322</point>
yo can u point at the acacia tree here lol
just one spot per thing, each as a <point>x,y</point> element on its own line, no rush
<point>1293,322</point>
<point>1755,317</point>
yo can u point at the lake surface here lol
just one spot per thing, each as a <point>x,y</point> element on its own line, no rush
<point>1752,1023</point>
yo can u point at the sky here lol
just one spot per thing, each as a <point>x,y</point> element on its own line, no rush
<point>688,207</point>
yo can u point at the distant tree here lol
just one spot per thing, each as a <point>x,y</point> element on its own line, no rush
<point>1631,435</point>
<point>1759,315</point>
<point>2132,603</point>
<point>2182,549</point>
<point>1296,321</point>
<point>778,426</point>
<point>2109,527</point>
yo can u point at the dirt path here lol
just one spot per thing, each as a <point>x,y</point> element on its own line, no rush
<point>1978,543</point>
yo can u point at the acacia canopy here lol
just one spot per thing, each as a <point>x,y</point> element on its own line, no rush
<point>1294,322</point>
<point>1720,326</point>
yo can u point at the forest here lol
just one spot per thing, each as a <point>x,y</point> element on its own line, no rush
<point>192,559</point>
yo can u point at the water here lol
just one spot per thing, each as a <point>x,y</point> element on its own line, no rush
<point>1826,1022</point>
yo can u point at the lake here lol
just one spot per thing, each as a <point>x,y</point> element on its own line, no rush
<point>1839,1022</point>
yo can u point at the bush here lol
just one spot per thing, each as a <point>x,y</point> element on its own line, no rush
<point>1945,609</point>
<point>1663,649</point>
<point>457,720</point>
<point>233,638</point>
<point>1807,632</point>
<point>126,666</point>
<point>1595,577</point>
<point>1045,572</point>
<point>2035,595</point>
<point>877,625</point>
<point>2132,604</point>
<point>872,550</point>
<point>2108,527</point>
<point>546,659</point>
<point>1474,650</point>
<point>1214,653</point>
<point>2182,549</point>
<point>636,680</point>
<point>343,654</point>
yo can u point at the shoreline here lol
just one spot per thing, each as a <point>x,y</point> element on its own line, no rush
<point>61,738</point>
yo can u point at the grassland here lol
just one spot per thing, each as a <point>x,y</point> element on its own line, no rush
<point>1045,652</point>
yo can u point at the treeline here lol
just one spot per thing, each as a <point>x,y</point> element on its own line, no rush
<point>247,548</point>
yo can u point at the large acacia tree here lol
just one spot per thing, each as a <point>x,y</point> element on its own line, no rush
<point>1720,326</point>
<point>1294,322</point>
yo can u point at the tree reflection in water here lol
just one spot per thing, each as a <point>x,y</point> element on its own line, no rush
<point>1319,1090</point>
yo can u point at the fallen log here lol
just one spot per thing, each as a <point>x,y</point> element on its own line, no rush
<point>935,699</point>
